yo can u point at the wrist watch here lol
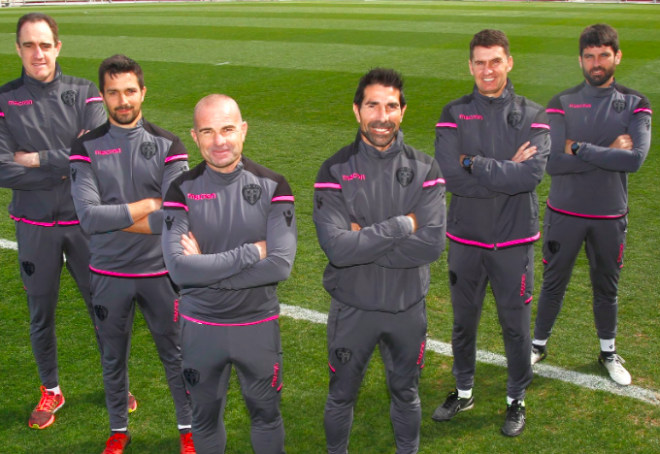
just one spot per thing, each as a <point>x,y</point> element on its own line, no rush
<point>575,146</point>
<point>467,162</point>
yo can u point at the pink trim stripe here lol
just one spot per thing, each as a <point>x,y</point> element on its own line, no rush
<point>77,157</point>
<point>589,216</point>
<point>2,114</point>
<point>470,242</point>
<point>540,126</point>
<point>175,205</point>
<point>176,157</point>
<point>446,125</point>
<point>94,99</point>
<point>282,198</point>
<point>427,184</point>
<point>531,239</point>
<point>643,110</point>
<point>545,262</point>
<point>492,246</point>
<point>190,319</point>
<point>279,388</point>
<point>331,368</point>
<point>529,300</point>
<point>559,111</point>
<point>327,186</point>
<point>112,273</point>
<point>43,224</point>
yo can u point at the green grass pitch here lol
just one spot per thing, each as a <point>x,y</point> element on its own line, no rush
<point>293,68</point>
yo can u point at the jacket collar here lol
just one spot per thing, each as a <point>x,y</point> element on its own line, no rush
<point>597,92</point>
<point>30,82</point>
<point>506,95</point>
<point>394,149</point>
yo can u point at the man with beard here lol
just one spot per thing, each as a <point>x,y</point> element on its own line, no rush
<point>119,173</point>
<point>601,131</point>
<point>492,147</point>
<point>41,114</point>
<point>229,238</point>
<point>379,211</point>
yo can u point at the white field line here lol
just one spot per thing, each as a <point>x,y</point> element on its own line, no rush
<point>443,348</point>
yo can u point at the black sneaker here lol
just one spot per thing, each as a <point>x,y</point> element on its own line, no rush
<point>538,353</point>
<point>514,423</point>
<point>453,404</point>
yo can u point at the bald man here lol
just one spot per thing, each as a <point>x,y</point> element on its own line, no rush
<point>229,237</point>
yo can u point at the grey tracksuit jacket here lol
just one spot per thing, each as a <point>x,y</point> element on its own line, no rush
<point>594,182</point>
<point>384,266</point>
<point>496,205</point>
<point>227,284</point>
<point>110,168</point>
<point>44,118</point>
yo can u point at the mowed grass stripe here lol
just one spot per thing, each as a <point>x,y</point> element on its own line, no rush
<point>429,63</point>
<point>366,24</point>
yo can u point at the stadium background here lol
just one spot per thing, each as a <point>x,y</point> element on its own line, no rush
<point>293,68</point>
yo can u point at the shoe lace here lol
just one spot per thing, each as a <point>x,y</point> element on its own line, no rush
<point>187,443</point>
<point>48,400</point>
<point>513,410</point>
<point>114,444</point>
<point>451,398</point>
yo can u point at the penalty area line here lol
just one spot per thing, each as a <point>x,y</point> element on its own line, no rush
<point>443,348</point>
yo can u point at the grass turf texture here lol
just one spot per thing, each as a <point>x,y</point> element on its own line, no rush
<point>293,69</point>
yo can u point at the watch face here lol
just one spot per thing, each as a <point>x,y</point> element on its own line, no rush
<point>575,147</point>
<point>467,162</point>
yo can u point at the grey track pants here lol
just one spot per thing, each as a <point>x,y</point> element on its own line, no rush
<point>255,351</point>
<point>352,337</point>
<point>510,272</point>
<point>114,306</point>
<point>40,252</point>
<point>605,242</point>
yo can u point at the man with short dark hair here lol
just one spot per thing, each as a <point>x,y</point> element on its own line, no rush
<point>492,147</point>
<point>41,114</point>
<point>119,172</point>
<point>229,238</point>
<point>379,211</point>
<point>601,131</point>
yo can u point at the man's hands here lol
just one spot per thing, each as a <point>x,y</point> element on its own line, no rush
<point>623,142</point>
<point>27,159</point>
<point>524,153</point>
<point>356,227</point>
<point>191,247</point>
<point>189,243</point>
<point>140,212</point>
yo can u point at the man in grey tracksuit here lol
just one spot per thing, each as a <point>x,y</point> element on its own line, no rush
<point>601,131</point>
<point>492,147</point>
<point>119,173</point>
<point>229,237</point>
<point>41,114</point>
<point>379,211</point>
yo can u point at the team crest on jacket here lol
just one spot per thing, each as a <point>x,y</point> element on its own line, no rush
<point>73,173</point>
<point>514,118</point>
<point>343,355</point>
<point>29,268</point>
<point>169,220</point>
<point>405,176</point>
<point>618,105</point>
<point>191,376</point>
<point>69,97</point>
<point>148,149</point>
<point>288,216</point>
<point>101,312</point>
<point>251,193</point>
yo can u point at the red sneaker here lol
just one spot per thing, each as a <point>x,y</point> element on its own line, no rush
<point>132,403</point>
<point>116,443</point>
<point>44,413</point>
<point>187,445</point>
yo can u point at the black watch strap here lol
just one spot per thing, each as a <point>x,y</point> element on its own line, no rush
<point>575,146</point>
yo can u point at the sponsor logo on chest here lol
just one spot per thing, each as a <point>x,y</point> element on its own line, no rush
<point>202,196</point>
<point>353,176</point>
<point>107,152</point>
<point>580,106</point>
<point>27,102</point>
<point>470,117</point>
